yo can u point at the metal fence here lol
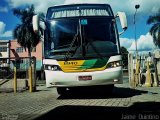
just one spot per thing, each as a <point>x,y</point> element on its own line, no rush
<point>7,70</point>
<point>144,70</point>
<point>7,67</point>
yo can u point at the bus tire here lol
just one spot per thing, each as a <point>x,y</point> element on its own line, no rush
<point>61,90</point>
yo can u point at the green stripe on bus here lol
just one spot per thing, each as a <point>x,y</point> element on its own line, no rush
<point>95,63</point>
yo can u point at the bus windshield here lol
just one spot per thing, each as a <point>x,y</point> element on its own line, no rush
<point>81,37</point>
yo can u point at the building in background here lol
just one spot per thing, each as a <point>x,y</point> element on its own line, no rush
<point>12,54</point>
<point>19,57</point>
<point>4,57</point>
<point>4,53</point>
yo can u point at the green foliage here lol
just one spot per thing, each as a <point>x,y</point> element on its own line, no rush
<point>124,53</point>
<point>23,32</point>
<point>155,29</point>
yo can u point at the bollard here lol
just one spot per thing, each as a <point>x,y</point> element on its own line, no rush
<point>136,75</point>
<point>30,79</point>
<point>134,82</point>
<point>155,83</point>
<point>33,64</point>
<point>148,76</point>
<point>156,72</point>
<point>137,72</point>
<point>131,71</point>
<point>15,80</point>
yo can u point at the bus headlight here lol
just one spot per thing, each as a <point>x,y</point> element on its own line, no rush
<point>114,64</point>
<point>52,67</point>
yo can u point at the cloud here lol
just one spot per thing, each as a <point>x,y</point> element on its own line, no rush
<point>2,27</point>
<point>125,42</point>
<point>6,34</point>
<point>128,6</point>
<point>3,33</point>
<point>146,6</point>
<point>40,5</point>
<point>144,43</point>
<point>3,9</point>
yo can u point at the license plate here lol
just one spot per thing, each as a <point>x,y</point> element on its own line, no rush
<point>84,77</point>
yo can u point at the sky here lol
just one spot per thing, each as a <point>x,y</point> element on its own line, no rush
<point>147,8</point>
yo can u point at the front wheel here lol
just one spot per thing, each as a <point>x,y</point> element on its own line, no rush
<point>61,90</point>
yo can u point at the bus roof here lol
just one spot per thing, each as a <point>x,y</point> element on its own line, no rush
<point>83,5</point>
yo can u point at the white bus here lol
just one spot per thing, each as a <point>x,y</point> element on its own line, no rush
<point>81,46</point>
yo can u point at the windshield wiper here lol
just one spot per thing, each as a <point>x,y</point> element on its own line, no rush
<point>82,47</point>
<point>71,45</point>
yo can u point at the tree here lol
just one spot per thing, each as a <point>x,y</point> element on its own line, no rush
<point>23,32</point>
<point>155,29</point>
<point>124,53</point>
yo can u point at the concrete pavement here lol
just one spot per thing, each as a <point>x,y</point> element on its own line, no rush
<point>45,102</point>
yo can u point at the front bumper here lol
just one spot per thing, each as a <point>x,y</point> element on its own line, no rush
<point>105,77</point>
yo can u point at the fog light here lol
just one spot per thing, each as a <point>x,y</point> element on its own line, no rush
<point>49,67</point>
<point>52,67</point>
<point>114,64</point>
<point>115,80</point>
<point>53,83</point>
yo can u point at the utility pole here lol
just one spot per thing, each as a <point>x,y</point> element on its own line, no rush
<point>136,6</point>
<point>137,61</point>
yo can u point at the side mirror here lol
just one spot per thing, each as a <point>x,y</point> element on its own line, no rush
<point>123,21</point>
<point>35,23</point>
<point>38,24</point>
